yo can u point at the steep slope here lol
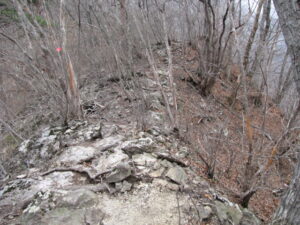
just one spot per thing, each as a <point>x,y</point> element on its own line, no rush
<point>125,165</point>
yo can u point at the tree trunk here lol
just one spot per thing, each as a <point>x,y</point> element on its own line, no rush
<point>252,36</point>
<point>289,17</point>
<point>288,212</point>
<point>264,30</point>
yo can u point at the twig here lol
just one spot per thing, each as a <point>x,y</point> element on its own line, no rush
<point>17,44</point>
<point>12,130</point>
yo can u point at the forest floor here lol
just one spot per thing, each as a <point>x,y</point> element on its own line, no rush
<point>216,131</point>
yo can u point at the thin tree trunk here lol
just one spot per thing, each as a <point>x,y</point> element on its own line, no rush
<point>259,57</point>
<point>252,36</point>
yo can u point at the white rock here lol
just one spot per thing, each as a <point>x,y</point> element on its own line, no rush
<point>144,159</point>
<point>23,146</point>
<point>77,154</point>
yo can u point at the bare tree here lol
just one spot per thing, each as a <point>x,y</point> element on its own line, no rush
<point>252,35</point>
<point>289,16</point>
<point>264,31</point>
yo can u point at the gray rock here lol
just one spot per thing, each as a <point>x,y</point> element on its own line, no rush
<point>118,186</point>
<point>126,186</point>
<point>119,173</point>
<point>76,155</point>
<point>74,207</point>
<point>183,152</point>
<point>177,174</point>
<point>44,146</point>
<point>228,215</point>
<point>157,173</point>
<point>68,216</point>
<point>249,218</point>
<point>205,212</point>
<point>94,216</point>
<point>77,199</point>
<point>58,180</point>
<point>138,146</point>
<point>80,131</point>
<point>108,161</point>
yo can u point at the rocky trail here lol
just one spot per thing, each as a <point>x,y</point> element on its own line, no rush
<point>107,171</point>
<point>122,178</point>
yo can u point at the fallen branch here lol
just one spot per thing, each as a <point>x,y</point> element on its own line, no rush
<point>76,170</point>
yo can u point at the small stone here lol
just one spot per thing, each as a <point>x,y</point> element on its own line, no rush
<point>205,212</point>
<point>118,186</point>
<point>24,146</point>
<point>126,186</point>
<point>93,216</point>
<point>160,139</point>
<point>69,131</point>
<point>21,176</point>
<point>157,173</point>
<point>32,209</point>
<point>10,217</point>
<point>183,152</point>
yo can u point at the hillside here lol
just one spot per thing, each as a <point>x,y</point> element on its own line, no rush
<point>144,112</point>
<point>71,170</point>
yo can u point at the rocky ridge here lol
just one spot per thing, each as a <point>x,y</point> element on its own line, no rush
<point>110,172</point>
<point>97,174</point>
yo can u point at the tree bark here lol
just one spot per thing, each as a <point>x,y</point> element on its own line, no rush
<point>289,18</point>
<point>288,212</point>
<point>288,12</point>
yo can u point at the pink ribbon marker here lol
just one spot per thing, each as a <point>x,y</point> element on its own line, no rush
<point>58,49</point>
